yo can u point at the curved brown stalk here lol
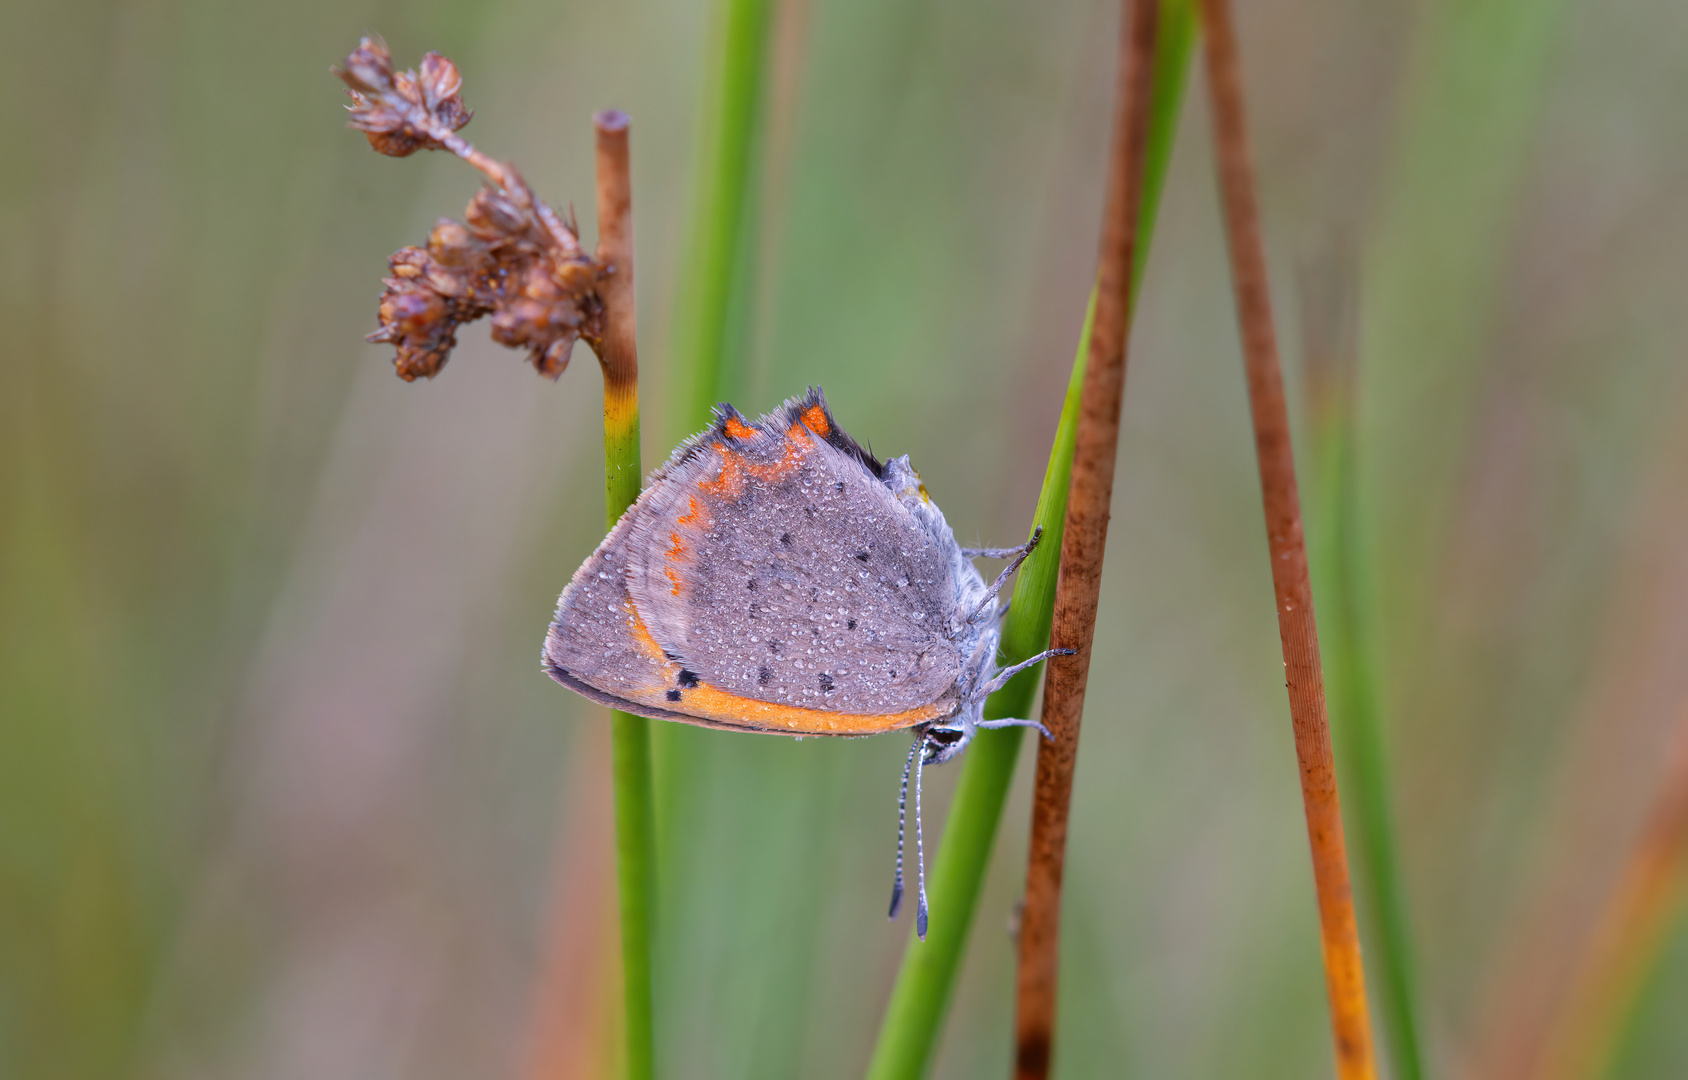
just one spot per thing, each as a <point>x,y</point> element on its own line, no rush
<point>1086,534</point>
<point>1345,981</point>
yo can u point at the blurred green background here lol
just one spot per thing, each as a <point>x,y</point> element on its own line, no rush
<point>283,792</point>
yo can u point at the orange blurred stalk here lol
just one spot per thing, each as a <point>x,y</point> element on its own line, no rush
<point>1085,537</point>
<point>1638,915</point>
<point>574,1024</point>
<point>1344,974</point>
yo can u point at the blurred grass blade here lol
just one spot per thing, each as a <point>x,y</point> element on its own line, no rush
<point>707,355</point>
<point>715,285</point>
<point>915,1014</point>
<point>1329,298</point>
<point>714,292</point>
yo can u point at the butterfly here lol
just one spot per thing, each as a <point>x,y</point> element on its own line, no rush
<point>777,577</point>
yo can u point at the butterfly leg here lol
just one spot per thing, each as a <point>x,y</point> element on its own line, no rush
<point>991,725</point>
<point>991,553</point>
<point>1019,554</point>
<point>1004,675</point>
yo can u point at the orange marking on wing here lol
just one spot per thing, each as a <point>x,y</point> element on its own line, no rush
<point>675,579</point>
<point>738,429</point>
<point>647,646</point>
<point>814,418</point>
<point>775,471</point>
<point>711,703</point>
<point>735,467</point>
<point>730,484</point>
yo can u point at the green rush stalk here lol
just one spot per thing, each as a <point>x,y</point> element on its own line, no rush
<point>914,1016</point>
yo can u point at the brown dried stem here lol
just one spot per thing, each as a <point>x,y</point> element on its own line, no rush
<point>1344,974</point>
<point>1085,537</point>
<point>616,348</point>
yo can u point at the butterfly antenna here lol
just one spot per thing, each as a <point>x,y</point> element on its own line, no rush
<point>902,814</point>
<point>919,849</point>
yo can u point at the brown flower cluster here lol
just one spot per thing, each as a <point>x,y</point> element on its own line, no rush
<point>515,259</point>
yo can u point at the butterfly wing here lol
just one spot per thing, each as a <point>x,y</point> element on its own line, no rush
<point>766,579</point>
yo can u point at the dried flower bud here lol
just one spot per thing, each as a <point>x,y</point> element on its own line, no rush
<point>555,358</point>
<point>494,217</point>
<point>579,275</point>
<point>453,245</point>
<point>440,83</point>
<point>369,68</point>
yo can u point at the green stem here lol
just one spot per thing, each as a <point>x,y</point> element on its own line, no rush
<point>630,759</point>
<point>915,1014</point>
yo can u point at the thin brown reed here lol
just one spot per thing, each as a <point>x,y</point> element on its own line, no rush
<point>1086,534</point>
<point>1344,974</point>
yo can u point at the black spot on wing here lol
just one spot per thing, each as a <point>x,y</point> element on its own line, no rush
<point>688,679</point>
<point>673,695</point>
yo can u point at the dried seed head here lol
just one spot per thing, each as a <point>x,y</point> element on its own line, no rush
<point>514,258</point>
<point>402,112</point>
<point>537,301</point>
